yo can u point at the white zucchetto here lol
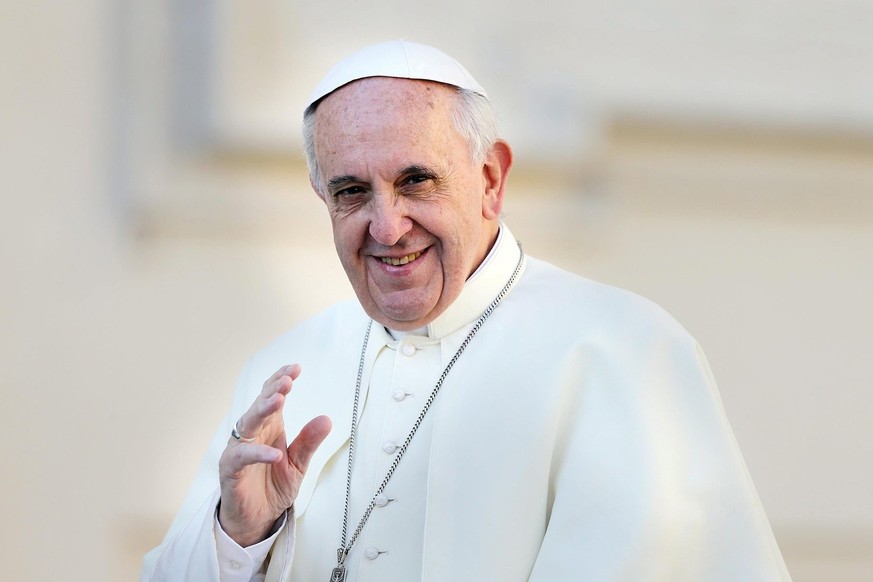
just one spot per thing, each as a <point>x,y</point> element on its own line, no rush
<point>400,59</point>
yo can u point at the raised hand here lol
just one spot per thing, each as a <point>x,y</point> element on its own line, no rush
<point>260,477</point>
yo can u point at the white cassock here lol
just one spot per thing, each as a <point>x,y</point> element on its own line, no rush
<point>580,436</point>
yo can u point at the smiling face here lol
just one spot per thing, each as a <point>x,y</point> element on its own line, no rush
<point>413,214</point>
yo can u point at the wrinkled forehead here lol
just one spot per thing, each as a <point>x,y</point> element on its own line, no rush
<point>385,122</point>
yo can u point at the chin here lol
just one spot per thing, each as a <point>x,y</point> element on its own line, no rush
<point>401,320</point>
<point>403,315</point>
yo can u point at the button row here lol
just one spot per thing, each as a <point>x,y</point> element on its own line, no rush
<point>389,447</point>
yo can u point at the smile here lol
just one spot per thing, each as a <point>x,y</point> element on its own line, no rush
<point>401,260</point>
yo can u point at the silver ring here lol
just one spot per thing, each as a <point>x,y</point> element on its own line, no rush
<point>235,434</point>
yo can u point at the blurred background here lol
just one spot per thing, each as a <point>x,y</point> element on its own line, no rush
<point>157,228</point>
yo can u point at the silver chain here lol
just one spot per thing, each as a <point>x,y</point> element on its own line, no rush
<point>344,548</point>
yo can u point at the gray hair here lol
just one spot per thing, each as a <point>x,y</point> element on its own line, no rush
<point>473,117</point>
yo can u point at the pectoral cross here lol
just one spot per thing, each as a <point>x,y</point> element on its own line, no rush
<point>338,574</point>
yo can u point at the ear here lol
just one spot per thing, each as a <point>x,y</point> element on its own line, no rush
<point>498,160</point>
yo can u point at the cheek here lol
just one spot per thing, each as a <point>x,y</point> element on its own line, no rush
<point>345,232</point>
<point>345,250</point>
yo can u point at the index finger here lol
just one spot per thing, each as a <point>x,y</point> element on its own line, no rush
<point>291,370</point>
<point>268,403</point>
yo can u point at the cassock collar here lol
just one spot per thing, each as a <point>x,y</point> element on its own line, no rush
<point>481,288</point>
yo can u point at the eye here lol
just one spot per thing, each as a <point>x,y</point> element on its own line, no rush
<point>417,178</point>
<point>350,191</point>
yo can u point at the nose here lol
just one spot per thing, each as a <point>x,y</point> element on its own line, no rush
<point>389,220</point>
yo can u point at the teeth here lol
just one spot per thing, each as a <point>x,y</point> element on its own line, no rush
<point>401,260</point>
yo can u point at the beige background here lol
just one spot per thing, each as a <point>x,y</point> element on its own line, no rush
<point>157,228</point>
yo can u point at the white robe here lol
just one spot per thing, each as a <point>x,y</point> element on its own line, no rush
<point>579,437</point>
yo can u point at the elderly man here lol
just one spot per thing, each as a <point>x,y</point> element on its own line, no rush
<point>476,414</point>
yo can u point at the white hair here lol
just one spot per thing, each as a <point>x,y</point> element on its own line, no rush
<point>472,115</point>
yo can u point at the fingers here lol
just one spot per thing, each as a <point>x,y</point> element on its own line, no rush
<point>311,436</point>
<point>269,402</point>
<point>300,451</point>
<point>291,370</point>
<point>238,458</point>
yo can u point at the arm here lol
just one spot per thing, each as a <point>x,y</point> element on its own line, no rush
<point>657,489</point>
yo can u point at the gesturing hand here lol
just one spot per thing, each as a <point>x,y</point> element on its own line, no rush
<point>260,479</point>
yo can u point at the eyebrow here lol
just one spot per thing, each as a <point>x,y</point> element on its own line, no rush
<point>338,181</point>
<point>417,169</point>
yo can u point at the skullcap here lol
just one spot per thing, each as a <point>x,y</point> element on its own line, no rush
<point>397,58</point>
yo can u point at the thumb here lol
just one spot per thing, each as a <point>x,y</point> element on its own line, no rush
<point>302,448</point>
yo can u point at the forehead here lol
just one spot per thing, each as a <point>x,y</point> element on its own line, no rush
<point>369,92</point>
<point>376,106</point>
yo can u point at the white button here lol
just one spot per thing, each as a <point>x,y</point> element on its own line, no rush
<point>389,447</point>
<point>234,564</point>
<point>381,500</point>
<point>398,395</point>
<point>372,553</point>
<point>408,350</point>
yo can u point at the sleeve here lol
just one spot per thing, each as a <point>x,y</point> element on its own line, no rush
<point>188,552</point>
<point>238,564</point>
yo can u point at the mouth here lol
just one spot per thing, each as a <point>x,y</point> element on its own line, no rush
<point>396,262</point>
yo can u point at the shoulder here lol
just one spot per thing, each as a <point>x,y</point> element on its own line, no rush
<point>324,336</point>
<point>572,305</point>
<point>336,319</point>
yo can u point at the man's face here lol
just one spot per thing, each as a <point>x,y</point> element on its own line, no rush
<point>412,215</point>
